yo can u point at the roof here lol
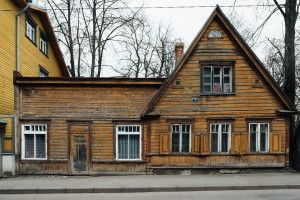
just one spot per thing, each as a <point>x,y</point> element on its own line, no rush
<point>50,35</point>
<point>249,54</point>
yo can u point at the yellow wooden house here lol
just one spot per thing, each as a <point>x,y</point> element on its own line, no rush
<point>29,47</point>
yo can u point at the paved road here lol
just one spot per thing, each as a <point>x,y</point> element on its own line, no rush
<point>204,195</point>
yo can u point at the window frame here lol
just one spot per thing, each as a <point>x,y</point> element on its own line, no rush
<point>213,65</point>
<point>29,132</point>
<point>180,137</point>
<point>140,133</point>
<point>29,21</point>
<point>44,38</point>
<point>42,70</point>
<point>219,132</point>
<point>258,145</point>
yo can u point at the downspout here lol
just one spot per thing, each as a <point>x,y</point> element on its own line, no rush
<point>18,35</point>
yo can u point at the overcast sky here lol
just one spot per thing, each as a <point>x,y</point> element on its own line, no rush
<point>187,17</point>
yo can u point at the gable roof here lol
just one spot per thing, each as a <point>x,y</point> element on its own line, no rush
<point>240,42</point>
<point>50,35</point>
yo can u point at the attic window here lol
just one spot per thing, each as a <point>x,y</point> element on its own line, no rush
<point>177,83</point>
<point>215,34</point>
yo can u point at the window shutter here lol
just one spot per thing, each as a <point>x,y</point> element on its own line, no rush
<point>204,144</point>
<point>244,143</point>
<point>196,147</point>
<point>236,144</point>
<point>275,143</point>
<point>164,144</point>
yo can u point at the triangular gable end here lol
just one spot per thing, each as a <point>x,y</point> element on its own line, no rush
<point>247,52</point>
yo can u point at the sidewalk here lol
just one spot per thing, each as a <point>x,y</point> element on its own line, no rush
<point>150,183</point>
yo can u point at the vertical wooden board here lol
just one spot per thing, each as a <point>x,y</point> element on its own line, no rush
<point>236,144</point>
<point>196,147</point>
<point>275,143</point>
<point>164,144</point>
<point>244,143</point>
<point>205,144</point>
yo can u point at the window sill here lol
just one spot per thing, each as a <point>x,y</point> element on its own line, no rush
<point>44,54</point>
<point>34,43</point>
<point>218,94</point>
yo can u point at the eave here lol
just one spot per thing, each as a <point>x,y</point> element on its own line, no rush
<point>81,81</point>
<point>50,35</point>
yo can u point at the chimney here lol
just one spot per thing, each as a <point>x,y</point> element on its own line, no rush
<point>179,46</point>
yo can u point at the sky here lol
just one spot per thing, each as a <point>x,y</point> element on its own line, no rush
<point>187,17</point>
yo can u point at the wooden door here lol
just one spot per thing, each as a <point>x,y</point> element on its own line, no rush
<point>79,149</point>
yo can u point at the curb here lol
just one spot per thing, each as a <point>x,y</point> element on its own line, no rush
<point>145,189</point>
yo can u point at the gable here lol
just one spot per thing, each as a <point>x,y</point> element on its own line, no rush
<point>246,68</point>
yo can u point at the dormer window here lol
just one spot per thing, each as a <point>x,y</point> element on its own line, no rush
<point>215,34</point>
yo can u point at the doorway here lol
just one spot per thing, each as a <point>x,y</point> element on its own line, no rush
<point>79,148</point>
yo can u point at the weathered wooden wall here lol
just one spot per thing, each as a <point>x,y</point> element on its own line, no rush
<point>101,107</point>
<point>249,101</point>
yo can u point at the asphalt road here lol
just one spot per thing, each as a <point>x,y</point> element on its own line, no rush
<point>203,195</point>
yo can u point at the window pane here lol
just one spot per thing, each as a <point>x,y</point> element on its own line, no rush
<point>227,88</point>
<point>175,142</point>
<point>217,80</point>
<point>207,71</point>
<point>123,146</point>
<point>217,88</point>
<point>226,71</point>
<point>214,142</point>
<point>227,79</point>
<point>134,147</point>
<point>185,142</point>
<point>224,145</point>
<point>263,141</point>
<point>29,146</point>
<point>207,80</point>
<point>207,88</point>
<point>253,128</point>
<point>217,71</point>
<point>40,146</point>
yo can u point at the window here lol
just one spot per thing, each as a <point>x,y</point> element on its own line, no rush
<point>181,138</point>
<point>217,79</point>
<point>43,43</point>
<point>259,137</point>
<point>128,142</point>
<point>215,34</point>
<point>30,29</point>
<point>220,138</point>
<point>34,142</point>
<point>43,72</point>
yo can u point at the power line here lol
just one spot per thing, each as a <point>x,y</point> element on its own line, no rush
<point>161,7</point>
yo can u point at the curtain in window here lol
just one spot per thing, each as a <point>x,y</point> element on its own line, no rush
<point>134,146</point>
<point>29,146</point>
<point>123,146</point>
<point>40,146</point>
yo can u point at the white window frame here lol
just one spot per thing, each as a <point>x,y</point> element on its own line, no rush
<point>124,132</point>
<point>219,132</point>
<point>30,30</point>
<point>221,77</point>
<point>43,43</point>
<point>258,147</point>
<point>180,136</point>
<point>33,132</point>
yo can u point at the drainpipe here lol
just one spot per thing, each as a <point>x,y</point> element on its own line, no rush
<point>18,34</point>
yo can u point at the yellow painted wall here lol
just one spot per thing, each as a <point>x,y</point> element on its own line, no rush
<point>30,55</point>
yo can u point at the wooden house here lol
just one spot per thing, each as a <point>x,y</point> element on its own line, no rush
<point>39,55</point>
<point>220,109</point>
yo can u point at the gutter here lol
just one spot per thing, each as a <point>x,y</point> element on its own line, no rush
<point>18,36</point>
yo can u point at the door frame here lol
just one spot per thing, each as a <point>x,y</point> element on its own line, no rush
<point>89,146</point>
